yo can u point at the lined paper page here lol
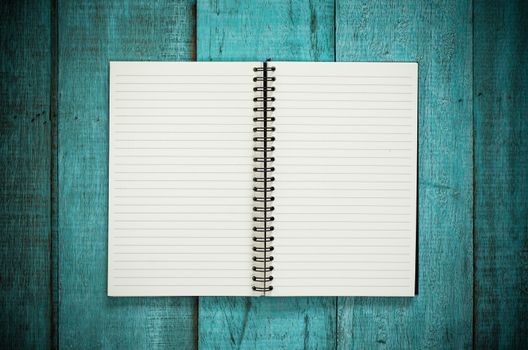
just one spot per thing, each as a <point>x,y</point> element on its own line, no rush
<point>180,178</point>
<point>346,155</point>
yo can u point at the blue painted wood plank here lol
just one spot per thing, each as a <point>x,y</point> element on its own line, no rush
<point>90,35</point>
<point>253,30</point>
<point>501,174</point>
<point>256,30</point>
<point>438,35</point>
<point>25,143</point>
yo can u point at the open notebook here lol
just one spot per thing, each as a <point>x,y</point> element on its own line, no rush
<point>252,178</point>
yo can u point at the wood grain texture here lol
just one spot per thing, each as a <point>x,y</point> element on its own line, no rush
<point>256,30</point>
<point>90,35</point>
<point>438,35</point>
<point>501,174</point>
<point>25,174</point>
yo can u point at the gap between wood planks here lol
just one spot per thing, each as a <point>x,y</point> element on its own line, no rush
<point>54,178</point>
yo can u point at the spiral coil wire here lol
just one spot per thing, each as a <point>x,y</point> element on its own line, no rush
<point>263,179</point>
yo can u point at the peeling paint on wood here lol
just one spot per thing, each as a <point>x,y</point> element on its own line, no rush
<point>501,174</point>
<point>437,35</point>
<point>25,174</point>
<point>90,35</point>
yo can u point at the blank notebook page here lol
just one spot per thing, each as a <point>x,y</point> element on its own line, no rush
<point>180,178</point>
<point>345,169</point>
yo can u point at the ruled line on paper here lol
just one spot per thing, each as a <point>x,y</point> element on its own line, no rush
<point>181,180</point>
<point>292,165</point>
<point>351,278</point>
<point>185,260</point>
<point>183,277</point>
<point>185,124</point>
<point>346,157</point>
<point>345,269</point>
<point>333,254</point>
<point>175,116</point>
<point>185,75</point>
<point>345,246</point>
<point>177,132</point>
<point>338,173</point>
<point>350,230</point>
<point>333,125</point>
<point>180,148</point>
<point>341,100</point>
<point>182,212</point>
<point>345,84</point>
<point>229,253</point>
<point>341,149</point>
<point>170,164</point>
<point>177,204</point>
<point>347,221</point>
<point>184,188</point>
<point>182,245</point>
<point>342,189</point>
<point>183,107</point>
<point>345,92</point>
<point>183,92</point>
<point>341,133</point>
<point>183,172</point>
<point>179,100</point>
<point>327,237</point>
<point>150,285</point>
<point>307,117</point>
<point>291,264</point>
<point>179,156</point>
<point>177,229</point>
<point>344,76</point>
<point>183,83</point>
<point>173,237</point>
<point>348,141</point>
<point>174,140</point>
<point>354,205</point>
<point>288,173</point>
<point>283,213</point>
<point>347,108</point>
<point>234,164</point>
<point>209,268</point>
<point>342,285</point>
<point>282,238</point>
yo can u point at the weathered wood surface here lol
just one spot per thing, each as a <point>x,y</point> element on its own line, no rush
<point>473,171</point>
<point>501,174</point>
<point>91,34</point>
<point>437,35</point>
<point>254,31</point>
<point>25,146</point>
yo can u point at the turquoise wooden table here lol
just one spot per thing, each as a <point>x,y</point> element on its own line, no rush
<point>473,171</point>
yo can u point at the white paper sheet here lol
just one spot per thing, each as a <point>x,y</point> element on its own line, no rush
<point>346,155</point>
<point>180,178</point>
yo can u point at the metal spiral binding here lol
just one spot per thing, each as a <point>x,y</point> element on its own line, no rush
<point>263,179</point>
